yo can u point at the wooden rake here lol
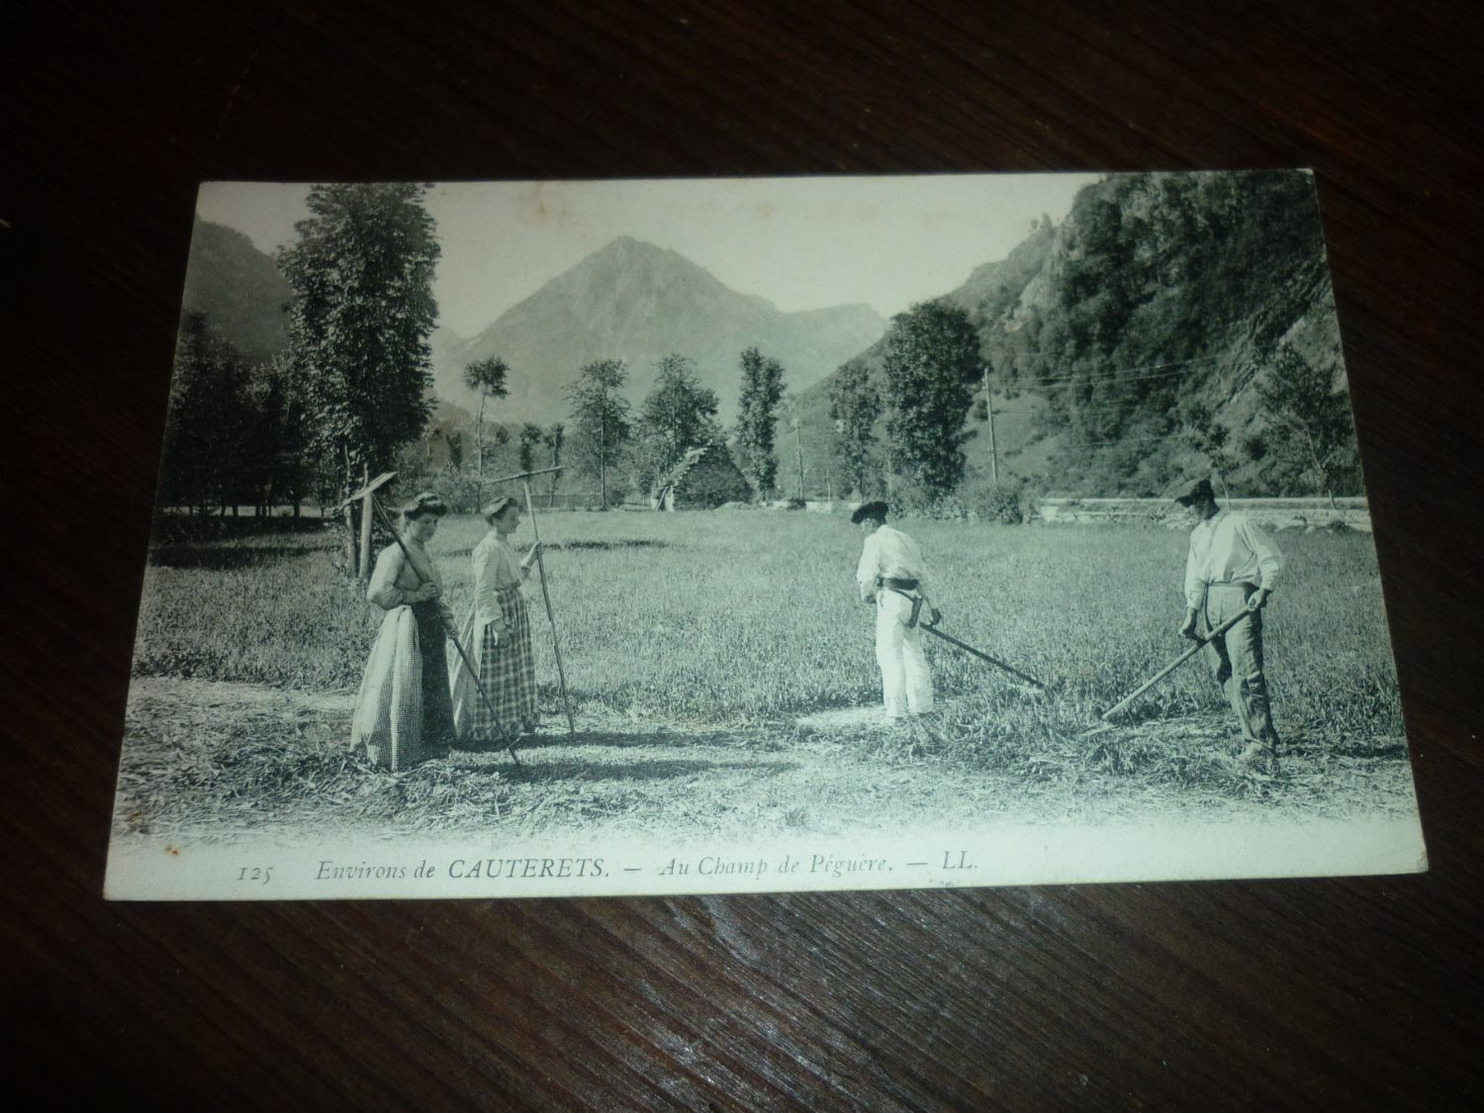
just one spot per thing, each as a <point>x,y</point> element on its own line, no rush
<point>525,478</point>
<point>369,494</point>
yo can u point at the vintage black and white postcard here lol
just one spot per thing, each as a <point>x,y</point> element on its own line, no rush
<point>559,538</point>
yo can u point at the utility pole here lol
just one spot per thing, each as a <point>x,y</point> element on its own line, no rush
<point>799,450</point>
<point>994,460</point>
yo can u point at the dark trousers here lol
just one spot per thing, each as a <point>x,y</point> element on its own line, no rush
<point>1235,660</point>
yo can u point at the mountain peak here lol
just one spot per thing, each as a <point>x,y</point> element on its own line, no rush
<point>636,301</point>
<point>627,247</point>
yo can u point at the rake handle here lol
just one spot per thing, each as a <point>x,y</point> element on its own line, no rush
<point>546,598</point>
<point>452,635</point>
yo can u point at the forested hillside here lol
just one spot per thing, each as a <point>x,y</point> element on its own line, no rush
<point>1172,323</point>
<point>240,290</point>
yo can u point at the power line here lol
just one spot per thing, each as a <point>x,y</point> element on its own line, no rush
<point>1119,440</point>
<point>1122,374</point>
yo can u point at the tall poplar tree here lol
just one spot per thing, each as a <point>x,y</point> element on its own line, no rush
<point>600,420</point>
<point>362,272</point>
<point>855,404</point>
<point>762,389</point>
<point>931,364</point>
<point>488,377</point>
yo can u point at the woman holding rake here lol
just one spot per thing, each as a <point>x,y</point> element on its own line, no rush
<point>498,636</point>
<point>403,712</point>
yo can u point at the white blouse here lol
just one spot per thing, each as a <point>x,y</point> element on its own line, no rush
<point>496,569</point>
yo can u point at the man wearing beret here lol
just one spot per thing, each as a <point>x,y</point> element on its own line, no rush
<point>1231,569</point>
<point>891,575</point>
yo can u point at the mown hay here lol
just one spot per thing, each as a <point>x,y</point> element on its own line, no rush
<point>1053,750</point>
<point>217,769</point>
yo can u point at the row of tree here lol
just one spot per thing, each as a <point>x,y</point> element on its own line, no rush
<point>622,451</point>
<point>354,384</point>
<point>1156,270</point>
<point>931,359</point>
<point>353,389</point>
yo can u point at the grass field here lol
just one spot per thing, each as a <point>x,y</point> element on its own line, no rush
<point>729,617</point>
<point>743,629</point>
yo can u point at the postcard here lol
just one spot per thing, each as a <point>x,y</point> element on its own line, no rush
<point>751,535</point>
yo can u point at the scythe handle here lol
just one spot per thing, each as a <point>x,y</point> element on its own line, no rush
<point>1200,643</point>
<point>932,628</point>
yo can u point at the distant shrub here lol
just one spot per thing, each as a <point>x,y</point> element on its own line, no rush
<point>460,490</point>
<point>914,500</point>
<point>1004,502</point>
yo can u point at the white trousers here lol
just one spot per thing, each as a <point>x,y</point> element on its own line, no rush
<point>906,684</point>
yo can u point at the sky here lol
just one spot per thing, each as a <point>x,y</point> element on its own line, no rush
<point>801,243</point>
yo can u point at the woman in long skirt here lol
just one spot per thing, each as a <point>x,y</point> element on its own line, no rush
<point>498,635</point>
<point>404,714</point>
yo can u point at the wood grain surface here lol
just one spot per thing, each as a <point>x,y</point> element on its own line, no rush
<point>1324,994</point>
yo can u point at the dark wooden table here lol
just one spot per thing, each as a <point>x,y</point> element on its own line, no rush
<point>1334,994</point>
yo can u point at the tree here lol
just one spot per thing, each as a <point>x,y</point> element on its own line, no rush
<point>762,388</point>
<point>796,424</point>
<point>210,419</point>
<point>1209,437</point>
<point>1310,438</point>
<point>855,404</point>
<point>530,437</point>
<point>362,272</point>
<point>600,420</point>
<point>678,414</point>
<point>284,434</point>
<point>931,362</point>
<point>552,438</point>
<point>488,377</point>
<point>267,405</point>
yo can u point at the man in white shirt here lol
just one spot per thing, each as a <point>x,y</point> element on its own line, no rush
<point>891,574</point>
<point>1232,568</point>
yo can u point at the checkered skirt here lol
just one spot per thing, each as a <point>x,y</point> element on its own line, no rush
<point>507,672</point>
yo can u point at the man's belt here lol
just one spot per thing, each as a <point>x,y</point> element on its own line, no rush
<point>901,587</point>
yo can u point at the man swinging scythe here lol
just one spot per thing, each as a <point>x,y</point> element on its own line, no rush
<point>891,574</point>
<point>1231,568</point>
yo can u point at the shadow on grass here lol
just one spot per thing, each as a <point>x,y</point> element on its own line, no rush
<point>1315,744</point>
<point>659,770</point>
<point>572,546</point>
<point>604,546</point>
<point>218,558</point>
<point>659,738</point>
<point>561,740</point>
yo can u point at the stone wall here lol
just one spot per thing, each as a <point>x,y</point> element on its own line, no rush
<point>1270,513</point>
